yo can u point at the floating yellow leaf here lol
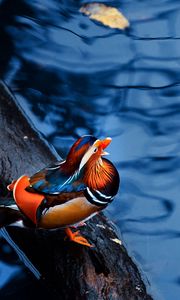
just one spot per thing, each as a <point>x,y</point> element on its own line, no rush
<point>107,15</point>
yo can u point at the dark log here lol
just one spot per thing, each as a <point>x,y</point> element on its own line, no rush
<point>69,270</point>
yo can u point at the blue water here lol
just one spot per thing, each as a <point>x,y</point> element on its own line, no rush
<point>74,76</point>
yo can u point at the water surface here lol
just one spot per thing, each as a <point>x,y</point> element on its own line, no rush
<point>74,76</point>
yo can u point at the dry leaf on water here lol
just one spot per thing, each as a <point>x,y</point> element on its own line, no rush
<point>107,15</point>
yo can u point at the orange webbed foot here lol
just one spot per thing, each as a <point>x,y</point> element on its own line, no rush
<point>77,237</point>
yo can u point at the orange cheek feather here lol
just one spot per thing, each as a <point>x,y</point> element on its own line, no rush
<point>27,202</point>
<point>97,176</point>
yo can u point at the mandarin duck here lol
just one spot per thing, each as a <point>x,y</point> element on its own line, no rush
<point>70,191</point>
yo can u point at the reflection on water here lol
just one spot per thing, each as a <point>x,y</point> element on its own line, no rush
<point>73,77</point>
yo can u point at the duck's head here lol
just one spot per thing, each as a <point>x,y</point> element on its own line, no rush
<point>95,152</point>
<point>87,148</point>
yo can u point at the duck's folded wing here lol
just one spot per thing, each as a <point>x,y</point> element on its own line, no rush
<point>53,181</point>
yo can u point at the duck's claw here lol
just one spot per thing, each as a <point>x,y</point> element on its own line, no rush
<point>77,237</point>
<point>81,224</point>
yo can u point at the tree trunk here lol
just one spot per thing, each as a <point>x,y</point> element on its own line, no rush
<point>70,271</point>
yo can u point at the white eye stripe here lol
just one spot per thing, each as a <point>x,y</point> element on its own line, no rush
<point>86,157</point>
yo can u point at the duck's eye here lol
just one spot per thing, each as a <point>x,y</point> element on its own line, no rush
<point>95,150</point>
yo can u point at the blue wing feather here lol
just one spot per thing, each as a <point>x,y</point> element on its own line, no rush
<point>53,181</point>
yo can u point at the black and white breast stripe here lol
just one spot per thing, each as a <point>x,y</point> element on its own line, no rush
<point>97,198</point>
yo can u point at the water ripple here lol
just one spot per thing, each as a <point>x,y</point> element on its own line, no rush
<point>73,77</point>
